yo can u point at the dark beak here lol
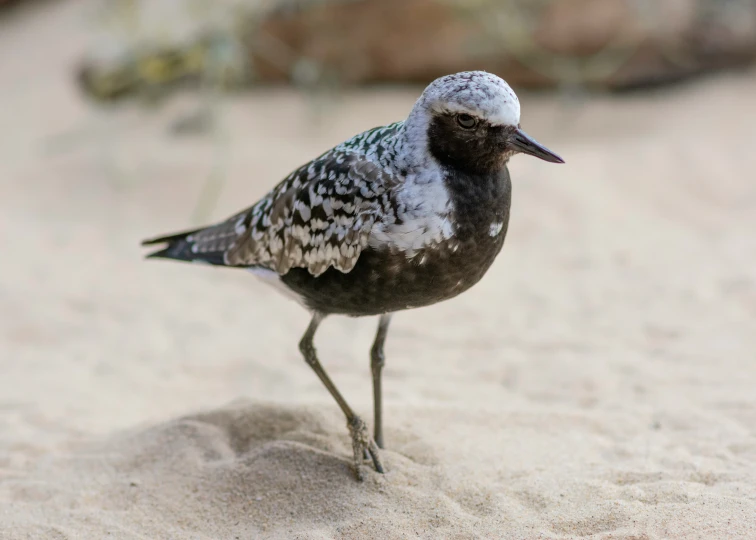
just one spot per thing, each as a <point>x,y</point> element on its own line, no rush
<point>522,142</point>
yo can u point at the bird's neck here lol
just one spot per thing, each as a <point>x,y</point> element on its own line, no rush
<point>411,143</point>
<point>479,200</point>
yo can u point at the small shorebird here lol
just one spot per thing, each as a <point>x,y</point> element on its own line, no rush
<point>397,217</point>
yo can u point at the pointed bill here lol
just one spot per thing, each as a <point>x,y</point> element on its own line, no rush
<point>522,142</point>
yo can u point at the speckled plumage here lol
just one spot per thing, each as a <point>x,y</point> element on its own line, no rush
<point>397,217</point>
<point>380,188</point>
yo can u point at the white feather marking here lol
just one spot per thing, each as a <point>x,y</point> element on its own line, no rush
<point>304,211</point>
<point>419,225</point>
<point>495,229</point>
<point>479,93</point>
<point>504,113</point>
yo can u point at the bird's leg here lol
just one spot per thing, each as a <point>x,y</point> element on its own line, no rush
<point>361,441</point>
<point>377,360</point>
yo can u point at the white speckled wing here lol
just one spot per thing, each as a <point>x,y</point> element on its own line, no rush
<point>318,217</point>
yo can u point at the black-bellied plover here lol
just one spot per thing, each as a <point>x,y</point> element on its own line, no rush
<point>397,217</point>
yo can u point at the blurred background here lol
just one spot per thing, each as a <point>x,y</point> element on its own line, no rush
<point>615,332</point>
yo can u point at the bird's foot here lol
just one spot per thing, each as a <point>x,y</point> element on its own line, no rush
<point>363,444</point>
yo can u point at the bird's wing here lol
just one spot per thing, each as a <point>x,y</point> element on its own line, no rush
<point>317,217</point>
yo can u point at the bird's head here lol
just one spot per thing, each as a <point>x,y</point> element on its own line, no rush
<point>472,123</point>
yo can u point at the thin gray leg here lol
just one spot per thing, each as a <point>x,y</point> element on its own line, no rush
<point>377,361</point>
<point>361,441</point>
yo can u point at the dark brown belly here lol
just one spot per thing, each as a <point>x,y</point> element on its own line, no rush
<point>385,281</point>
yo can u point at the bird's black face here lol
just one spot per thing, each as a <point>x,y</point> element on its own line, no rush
<point>471,144</point>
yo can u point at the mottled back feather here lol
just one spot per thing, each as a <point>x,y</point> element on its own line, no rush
<point>317,217</point>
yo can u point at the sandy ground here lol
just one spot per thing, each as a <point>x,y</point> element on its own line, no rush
<point>600,382</point>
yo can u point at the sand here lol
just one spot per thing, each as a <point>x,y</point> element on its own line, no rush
<point>600,382</point>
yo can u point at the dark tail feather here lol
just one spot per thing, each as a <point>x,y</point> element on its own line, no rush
<point>179,248</point>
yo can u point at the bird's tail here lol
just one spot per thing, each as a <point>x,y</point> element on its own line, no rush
<point>179,247</point>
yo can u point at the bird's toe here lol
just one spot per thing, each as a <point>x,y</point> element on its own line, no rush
<point>363,446</point>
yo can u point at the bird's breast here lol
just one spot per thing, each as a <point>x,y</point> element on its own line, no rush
<point>430,250</point>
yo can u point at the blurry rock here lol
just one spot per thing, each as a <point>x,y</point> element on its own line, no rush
<point>610,44</point>
<point>604,43</point>
<point>149,47</point>
<point>361,41</point>
<point>213,59</point>
<point>583,27</point>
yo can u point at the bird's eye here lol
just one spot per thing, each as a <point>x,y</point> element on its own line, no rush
<point>466,121</point>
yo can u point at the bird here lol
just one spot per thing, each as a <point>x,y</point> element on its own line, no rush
<point>398,217</point>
